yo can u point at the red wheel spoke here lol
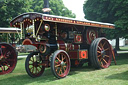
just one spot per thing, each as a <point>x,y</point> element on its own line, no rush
<point>2,69</point>
<point>98,52</point>
<point>56,69</point>
<point>106,49</point>
<point>58,59</point>
<point>7,65</point>
<point>106,55</point>
<point>40,67</point>
<point>30,68</point>
<point>33,70</point>
<point>65,62</point>
<point>57,65</point>
<point>104,44</point>
<point>31,60</point>
<point>64,69</point>
<point>65,66</point>
<point>60,72</point>
<point>10,60</point>
<point>36,70</point>
<point>7,53</point>
<point>100,59</point>
<point>62,57</point>
<point>101,45</point>
<point>56,62</point>
<point>98,55</point>
<point>30,64</point>
<point>105,61</point>
<point>100,48</point>
<point>1,51</point>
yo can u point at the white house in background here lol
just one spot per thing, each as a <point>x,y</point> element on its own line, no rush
<point>121,42</point>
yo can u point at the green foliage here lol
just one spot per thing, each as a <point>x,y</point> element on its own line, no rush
<point>10,9</point>
<point>57,7</point>
<point>110,11</point>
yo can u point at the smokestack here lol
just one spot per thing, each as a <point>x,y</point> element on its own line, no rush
<point>46,8</point>
<point>46,3</point>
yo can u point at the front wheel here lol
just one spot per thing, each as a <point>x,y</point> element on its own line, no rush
<point>33,65</point>
<point>60,64</point>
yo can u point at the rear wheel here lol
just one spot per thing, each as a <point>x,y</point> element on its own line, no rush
<point>60,64</point>
<point>100,53</point>
<point>33,65</point>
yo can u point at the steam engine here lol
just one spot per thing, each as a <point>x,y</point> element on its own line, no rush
<point>62,41</point>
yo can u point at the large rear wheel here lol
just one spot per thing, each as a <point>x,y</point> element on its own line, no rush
<point>8,58</point>
<point>33,65</point>
<point>60,64</point>
<point>100,53</point>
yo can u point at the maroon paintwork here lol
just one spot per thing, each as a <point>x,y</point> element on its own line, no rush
<point>53,34</point>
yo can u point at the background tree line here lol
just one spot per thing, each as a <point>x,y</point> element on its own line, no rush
<point>111,11</point>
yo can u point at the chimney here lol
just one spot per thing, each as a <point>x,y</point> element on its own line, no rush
<point>46,8</point>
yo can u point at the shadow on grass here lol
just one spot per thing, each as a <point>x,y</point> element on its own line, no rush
<point>85,68</point>
<point>122,76</point>
<point>123,50</point>
<point>23,78</point>
<point>122,58</point>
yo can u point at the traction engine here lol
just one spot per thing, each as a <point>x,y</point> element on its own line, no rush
<point>62,43</point>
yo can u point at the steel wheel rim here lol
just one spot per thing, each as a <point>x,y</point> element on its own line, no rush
<point>8,59</point>
<point>104,53</point>
<point>35,67</point>
<point>62,64</point>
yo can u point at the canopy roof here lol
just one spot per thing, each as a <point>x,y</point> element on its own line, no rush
<point>59,19</point>
<point>9,30</point>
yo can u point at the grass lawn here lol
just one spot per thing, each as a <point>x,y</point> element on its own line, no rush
<point>21,54</point>
<point>114,75</point>
<point>124,48</point>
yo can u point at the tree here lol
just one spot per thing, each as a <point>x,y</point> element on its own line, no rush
<point>57,7</point>
<point>111,11</point>
<point>10,9</point>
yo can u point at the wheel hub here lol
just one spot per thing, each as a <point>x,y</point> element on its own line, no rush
<point>2,59</point>
<point>35,64</point>
<point>103,53</point>
<point>62,63</point>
